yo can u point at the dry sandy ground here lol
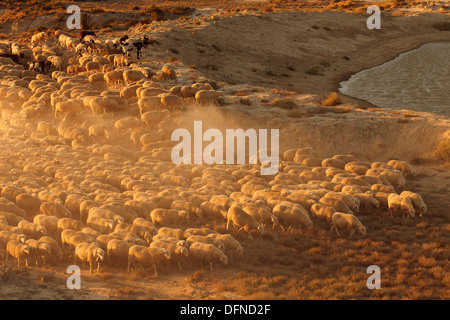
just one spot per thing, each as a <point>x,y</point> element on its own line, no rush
<point>262,57</point>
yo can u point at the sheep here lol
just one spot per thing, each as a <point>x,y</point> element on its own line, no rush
<point>38,250</point>
<point>38,38</point>
<point>341,220</point>
<point>102,225</point>
<point>177,253</point>
<point>68,223</point>
<point>113,77</point>
<point>404,167</point>
<point>181,243</point>
<point>6,236</point>
<point>105,213</point>
<point>206,239</point>
<point>378,187</point>
<point>18,251</point>
<point>28,203</point>
<point>243,220</point>
<point>147,225</point>
<point>153,117</point>
<point>90,252</point>
<point>232,246</point>
<point>207,97</point>
<point>168,73</point>
<point>382,198</point>
<point>147,256</point>
<point>191,208</point>
<point>206,252</point>
<point>293,215</point>
<point>55,209</point>
<point>32,230</point>
<point>400,204</point>
<point>12,218</point>
<point>322,211</point>
<point>91,232</point>
<point>381,165</point>
<point>5,226</point>
<point>171,232</point>
<point>172,102</point>
<point>351,202</point>
<point>338,204</point>
<point>204,231</point>
<point>168,217</point>
<point>50,223</point>
<point>67,241</point>
<point>367,200</point>
<point>131,76</point>
<point>417,201</point>
<point>55,249</point>
<point>138,231</point>
<point>117,250</point>
<point>188,91</point>
<point>335,163</point>
<point>262,215</point>
<point>212,210</point>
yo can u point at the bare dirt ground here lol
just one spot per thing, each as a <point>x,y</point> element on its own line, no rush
<point>262,53</point>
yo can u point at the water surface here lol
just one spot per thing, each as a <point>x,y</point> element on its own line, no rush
<point>417,80</point>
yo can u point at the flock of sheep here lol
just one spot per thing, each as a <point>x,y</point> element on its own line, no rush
<point>86,172</point>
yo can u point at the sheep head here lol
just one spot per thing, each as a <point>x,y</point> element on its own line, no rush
<point>100,254</point>
<point>166,254</point>
<point>23,238</point>
<point>26,249</point>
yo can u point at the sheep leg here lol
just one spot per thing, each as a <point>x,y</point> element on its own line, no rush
<point>154,267</point>
<point>90,266</point>
<point>210,266</point>
<point>98,266</point>
<point>179,266</point>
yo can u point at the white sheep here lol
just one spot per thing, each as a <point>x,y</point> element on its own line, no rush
<point>177,253</point>
<point>55,209</point>
<point>190,207</point>
<point>90,252</point>
<point>117,250</point>
<point>417,201</point>
<point>147,225</point>
<point>261,214</point>
<point>68,223</point>
<point>32,230</point>
<point>243,220</point>
<point>342,220</point>
<point>207,97</point>
<point>38,38</point>
<point>292,215</point>
<point>401,204</point>
<point>102,225</point>
<point>367,200</point>
<point>322,211</point>
<point>168,217</point>
<point>38,250</point>
<point>18,251</point>
<point>404,167</point>
<point>205,252</point>
<point>338,204</point>
<point>206,239</point>
<point>172,232</point>
<point>232,246</point>
<point>50,223</point>
<point>146,256</point>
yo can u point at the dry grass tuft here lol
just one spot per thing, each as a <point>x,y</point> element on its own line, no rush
<point>332,100</point>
